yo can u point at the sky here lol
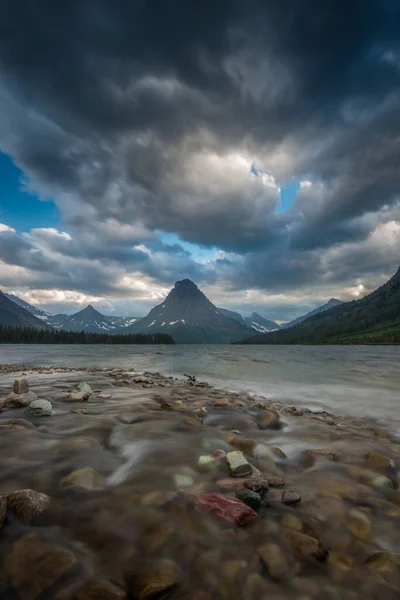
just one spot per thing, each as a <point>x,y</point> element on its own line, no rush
<point>253,147</point>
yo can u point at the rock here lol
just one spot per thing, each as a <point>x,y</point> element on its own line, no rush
<point>218,454</point>
<point>383,562</point>
<point>283,496</point>
<point>254,483</point>
<point>257,587</point>
<point>359,524</point>
<point>206,462</point>
<point>383,483</point>
<point>249,497</point>
<point>292,522</point>
<point>223,403</point>
<point>231,569</point>
<point>305,545</point>
<point>153,580</point>
<point>3,510</point>
<point>322,453</point>
<point>142,379</point>
<point>378,461</point>
<point>369,477</point>
<point>21,385</point>
<point>100,589</point>
<point>77,397</point>
<point>39,408</point>
<point>27,506</point>
<point>25,399</point>
<point>238,464</point>
<point>228,508</point>
<point>85,387</point>
<point>269,420</point>
<point>34,565</point>
<point>278,452</point>
<point>182,481</point>
<point>82,479</point>
<point>245,445</point>
<point>275,561</point>
<point>212,444</point>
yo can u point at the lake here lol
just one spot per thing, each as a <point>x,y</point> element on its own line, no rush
<point>362,381</point>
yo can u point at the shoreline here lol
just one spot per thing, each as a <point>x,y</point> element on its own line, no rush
<point>143,470</point>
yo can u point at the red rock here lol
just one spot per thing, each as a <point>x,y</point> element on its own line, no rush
<point>218,454</point>
<point>221,403</point>
<point>228,508</point>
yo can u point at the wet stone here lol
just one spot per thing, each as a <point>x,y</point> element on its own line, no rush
<point>306,545</point>
<point>21,385</point>
<point>24,399</point>
<point>82,479</point>
<point>238,464</point>
<point>378,461</point>
<point>153,580</point>
<point>250,498</point>
<point>359,524</point>
<point>282,496</point>
<point>100,590</point>
<point>39,408</point>
<point>213,444</point>
<point>323,453</point>
<point>226,507</point>
<point>85,388</point>
<point>27,506</point>
<point>269,420</point>
<point>33,565</point>
<point>80,396</point>
<point>245,445</point>
<point>275,561</point>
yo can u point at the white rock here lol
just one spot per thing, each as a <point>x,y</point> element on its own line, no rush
<point>39,408</point>
<point>85,387</point>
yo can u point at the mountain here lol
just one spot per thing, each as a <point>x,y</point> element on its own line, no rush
<point>373,319</point>
<point>37,312</point>
<point>232,315</point>
<point>92,321</point>
<point>332,302</point>
<point>190,318</point>
<point>12,313</point>
<point>261,324</point>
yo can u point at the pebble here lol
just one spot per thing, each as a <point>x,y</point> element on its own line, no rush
<point>245,445</point>
<point>182,481</point>
<point>249,497</point>
<point>254,483</point>
<point>380,462</point>
<point>80,396</point>
<point>100,589</point>
<point>223,403</point>
<point>275,561</point>
<point>238,464</point>
<point>21,385</point>
<point>226,507</point>
<point>213,444</point>
<point>322,453</point>
<point>292,522</point>
<point>283,496</point>
<point>206,462</point>
<point>359,524</point>
<point>39,408</point>
<point>269,420</point>
<point>34,565</point>
<point>153,580</point>
<point>305,545</point>
<point>84,387</point>
<point>82,479</point>
<point>27,506</point>
<point>24,399</point>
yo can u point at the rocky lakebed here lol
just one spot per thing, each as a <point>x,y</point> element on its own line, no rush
<point>116,485</point>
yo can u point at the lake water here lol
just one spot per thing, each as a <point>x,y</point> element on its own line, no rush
<point>362,381</point>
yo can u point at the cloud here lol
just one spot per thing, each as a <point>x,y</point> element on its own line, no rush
<point>139,119</point>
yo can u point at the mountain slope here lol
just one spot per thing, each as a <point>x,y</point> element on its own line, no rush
<point>37,312</point>
<point>232,315</point>
<point>13,314</point>
<point>261,324</point>
<point>373,319</point>
<point>91,320</point>
<point>332,302</point>
<point>190,318</point>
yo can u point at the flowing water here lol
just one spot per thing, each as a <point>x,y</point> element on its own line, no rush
<point>142,507</point>
<point>353,380</point>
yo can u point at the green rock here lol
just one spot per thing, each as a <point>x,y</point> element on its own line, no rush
<point>213,444</point>
<point>382,482</point>
<point>249,497</point>
<point>39,408</point>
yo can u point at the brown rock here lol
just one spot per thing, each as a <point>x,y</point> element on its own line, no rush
<point>24,399</point>
<point>305,545</point>
<point>378,461</point>
<point>275,561</point>
<point>80,396</point>
<point>223,403</point>
<point>245,445</point>
<point>278,452</point>
<point>153,579</point>
<point>100,589</point>
<point>257,587</point>
<point>27,506</point>
<point>359,524</point>
<point>33,565</point>
<point>3,510</point>
<point>322,453</point>
<point>254,483</point>
<point>292,522</point>
<point>268,420</point>
<point>82,479</point>
<point>21,385</point>
<point>283,496</point>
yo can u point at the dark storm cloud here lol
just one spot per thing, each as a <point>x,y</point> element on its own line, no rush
<point>136,110</point>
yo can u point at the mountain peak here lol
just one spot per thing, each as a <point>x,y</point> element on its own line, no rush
<point>89,311</point>
<point>185,284</point>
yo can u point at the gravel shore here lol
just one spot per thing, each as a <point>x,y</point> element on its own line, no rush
<point>117,484</point>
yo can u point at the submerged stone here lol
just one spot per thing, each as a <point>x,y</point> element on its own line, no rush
<point>24,399</point>
<point>82,479</point>
<point>39,408</point>
<point>238,464</point>
<point>153,580</point>
<point>213,444</point>
<point>249,497</point>
<point>100,589</point>
<point>228,508</point>
<point>275,561</point>
<point>27,506</point>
